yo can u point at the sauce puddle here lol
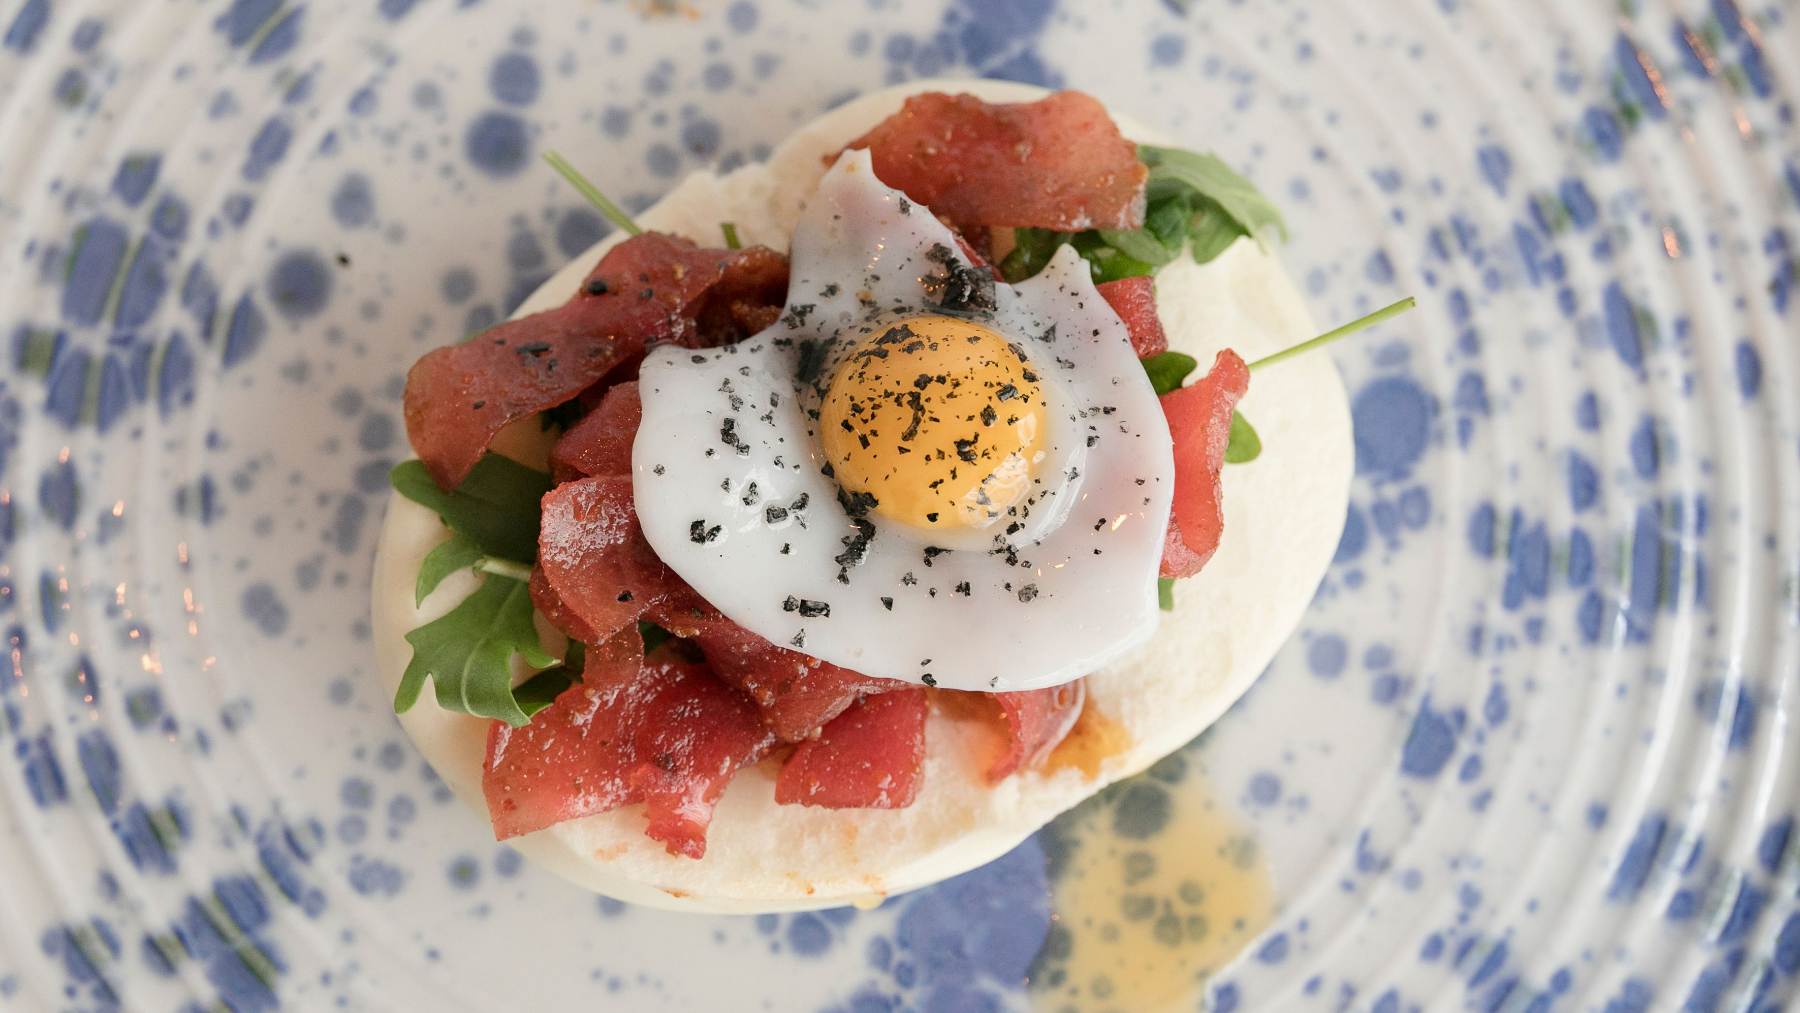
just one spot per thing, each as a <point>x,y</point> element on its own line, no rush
<point>1156,887</point>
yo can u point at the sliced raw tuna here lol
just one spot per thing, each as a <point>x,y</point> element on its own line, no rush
<point>796,693</point>
<point>651,288</point>
<point>657,730</point>
<point>600,444</point>
<point>1035,721</point>
<point>1200,424</point>
<point>548,603</point>
<point>1134,300</point>
<point>869,757</point>
<point>1057,163</point>
<point>598,570</point>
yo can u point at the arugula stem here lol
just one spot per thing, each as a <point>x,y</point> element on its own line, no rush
<point>504,568</point>
<point>731,236</point>
<point>613,212</point>
<point>1384,313</point>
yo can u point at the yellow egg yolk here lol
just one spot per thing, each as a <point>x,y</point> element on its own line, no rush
<point>941,420</point>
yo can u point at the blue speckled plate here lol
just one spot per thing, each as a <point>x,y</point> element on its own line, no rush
<point>1534,747</point>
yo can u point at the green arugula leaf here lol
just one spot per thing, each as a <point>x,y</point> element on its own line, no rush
<point>496,507</point>
<point>1168,370</point>
<point>1167,220</point>
<point>1162,237</point>
<point>1107,264</point>
<point>459,553</point>
<point>1211,232</point>
<point>1245,446</point>
<point>1193,200</point>
<point>542,689</point>
<point>1032,249</point>
<point>1138,244</point>
<point>1165,593</point>
<point>468,652</point>
<point>1172,170</point>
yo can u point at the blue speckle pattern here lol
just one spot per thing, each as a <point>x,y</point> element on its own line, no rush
<point>1532,747</point>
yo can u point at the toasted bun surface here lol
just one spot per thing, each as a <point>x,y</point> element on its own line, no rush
<point>1283,516</point>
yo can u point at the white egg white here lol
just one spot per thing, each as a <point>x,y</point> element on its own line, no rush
<point>1283,516</point>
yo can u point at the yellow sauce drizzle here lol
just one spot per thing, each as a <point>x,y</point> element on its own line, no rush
<point>1162,887</point>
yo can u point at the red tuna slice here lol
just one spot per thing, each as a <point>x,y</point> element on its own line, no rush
<point>660,730</point>
<point>545,599</point>
<point>797,693</point>
<point>597,567</point>
<point>600,444</point>
<point>1134,300</point>
<point>1200,424</point>
<point>1057,163</point>
<point>869,757</point>
<point>650,288</point>
<point>1036,721</point>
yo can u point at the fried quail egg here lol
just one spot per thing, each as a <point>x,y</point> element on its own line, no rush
<point>918,472</point>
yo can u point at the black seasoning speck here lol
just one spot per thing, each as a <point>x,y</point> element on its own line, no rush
<point>856,549</point>
<point>658,470</point>
<point>928,680</point>
<point>887,603</point>
<point>857,504</point>
<point>598,287</point>
<point>932,552</point>
<point>728,435</point>
<point>700,534</point>
<point>1028,593</point>
<point>799,640</point>
<point>962,588</point>
<point>807,607</point>
<point>624,596</point>
<point>956,286</point>
<point>797,314</point>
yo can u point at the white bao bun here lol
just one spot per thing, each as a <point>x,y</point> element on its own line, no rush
<point>1283,515</point>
